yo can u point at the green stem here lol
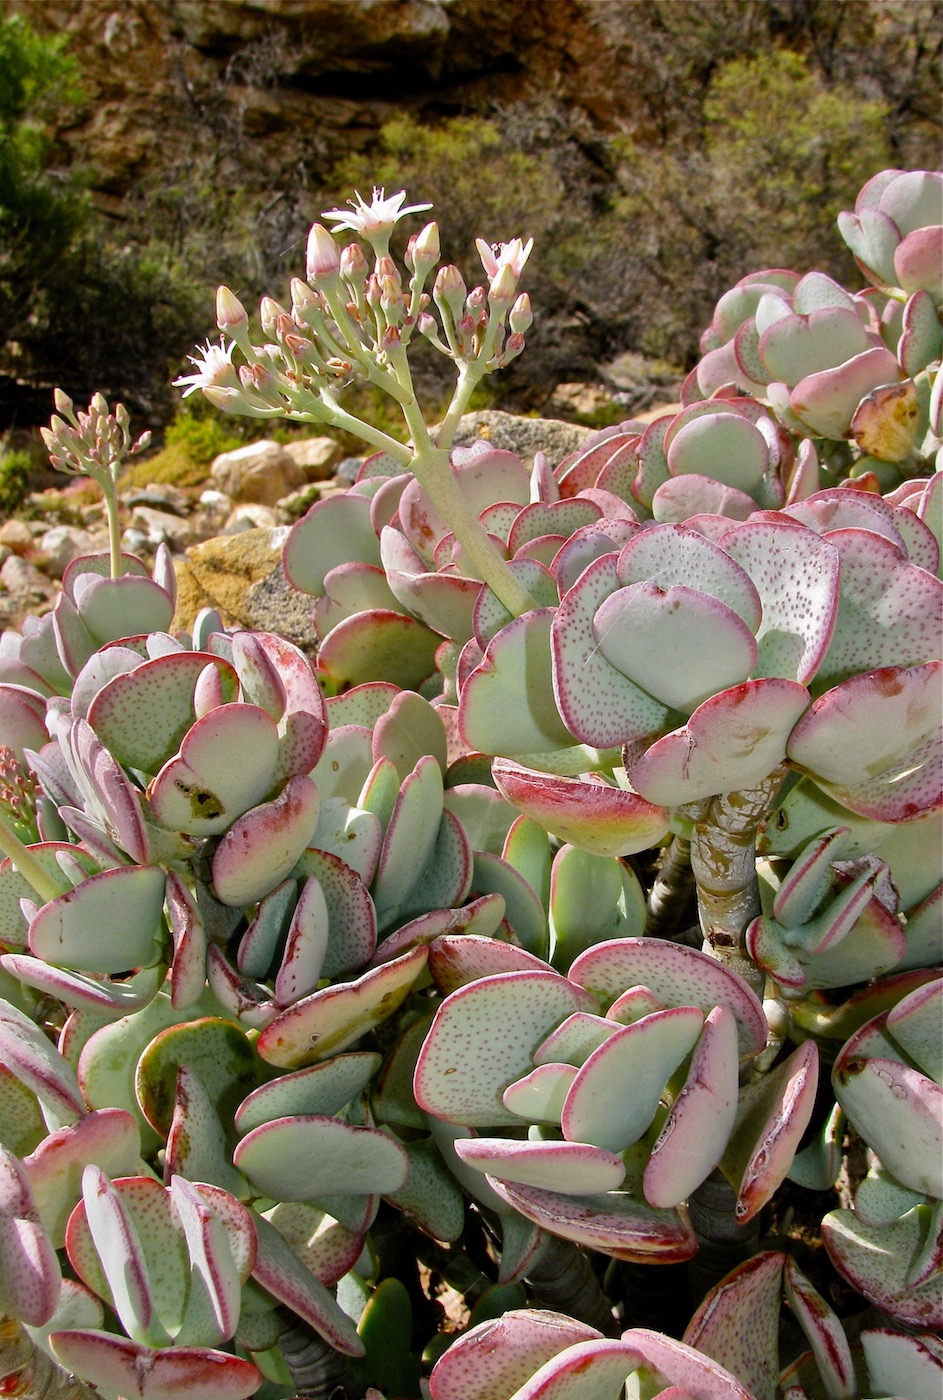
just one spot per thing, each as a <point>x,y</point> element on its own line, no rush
<point>27,864</point>
<point>433,472</point>
<point>468,382</point>
<point>340,418</point>
<point>114,528</point>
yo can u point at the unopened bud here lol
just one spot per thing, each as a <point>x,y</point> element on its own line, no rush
<point>391,300</point>
<point>231,315</point>
<point>63,402</point>
<point>373,291</point>
<point>324,259</point>
<point>521,317</point>
<point>354,266</point>
<point>269,312</point>
<point>503,285</point>
<point>449,289</point>
<point>284,325</point>
<point>390,338</point>
<point>514,346</point>
<point>475,302</point>
<point>426,252</point>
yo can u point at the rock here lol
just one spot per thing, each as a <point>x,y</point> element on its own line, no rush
<point>160,496</point>
<point>63,543</point>
<point>525,436</point>
<point>262,472</point>
<point>241,575</point>
<point>317,457</point>
<point>250,516</point>
<point>161,527</point>
<point>292,507</point>
<point>582,400</point>
<point>16,535</point>
<point>29,590</point>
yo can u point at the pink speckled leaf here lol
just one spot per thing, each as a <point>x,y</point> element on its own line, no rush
<point>349,589</point>
<point>737,1324</point>
<point>279,1270</point>
<point>22,719</point>
<point>188,972</point>
<point>498,1356</point>
<point>877,1261</point>
<point>826,401</point>
<point>922,339</point>
<point>917,261</point>
<point>263,846</point>
<point>678,976</point>
<point>443,601</point>
<point>615,1223</point>
<point>796,574</point>
<point>874,742</point>
<point>796,346</point>
<point>773,1114</point>
<point>122,1258</point>
<point>29,1269</point>
<point>465,1066</point>
<point>574,1168</point>
<point>29,1054</point>
<point>677,500</point>
<point>587,1371</point>
<point>109,923</point>
<point>723,445</point>
<point>644,1054</point>
<point>351,913</point>
<point>902,1365</point>
<point>540,1095</point>
<point>732,741</point>
<point>121,607</point>
<point>336,1017</point>
<point>676,643</point>
<point>334,531</point>
<point>143,715</point>
<point>700,1120</point>
<point>93,993</point>
<point>305,947</point>
<point>202,791</point>
<point>683,1367</point>
<point>604,820</point>
<point>915,1023</point>
<point>673,555</point>
<point>507,704</point>
<point>823,1329</point>
<point>340,1158</point>
<point>890,611</point>
<point>599,704</point>
<point>108,792</point>
<point>455,960</point>
<point>109,1137</point>
<point>410,840</point>
<point>277,676</point>
<point>136,1372</point>
<point>379,645</point>
<point>896,1109</point>
<point>320,1089</point>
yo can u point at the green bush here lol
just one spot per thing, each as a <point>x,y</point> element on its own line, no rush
<point>16,466</point>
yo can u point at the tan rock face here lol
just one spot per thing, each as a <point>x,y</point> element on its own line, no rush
<point>303,81</point>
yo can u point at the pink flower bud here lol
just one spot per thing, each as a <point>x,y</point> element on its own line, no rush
<point>390,338</point>
<point>426,248</point>
<point>231,315</point>
<point>503,285</point>
<point>301,295</point>
<point>269,312</point>
<point>353,265</point>
<point>476,302</point>
<point>324,259</point>
<point>427,325</point>
<point>449,289</point>
<point>521,318</point>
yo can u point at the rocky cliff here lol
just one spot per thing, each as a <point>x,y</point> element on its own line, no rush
<point>293,84</point>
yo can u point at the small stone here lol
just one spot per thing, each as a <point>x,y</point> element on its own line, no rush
<point>291,508</point>
<point>317,457</point>
<point>16,535</point>
<point>63,543</point>
<point>162,527</point>
<point>250,516</point>
<point>261,472</point>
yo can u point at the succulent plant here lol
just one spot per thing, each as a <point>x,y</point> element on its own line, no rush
<point>572,909</point>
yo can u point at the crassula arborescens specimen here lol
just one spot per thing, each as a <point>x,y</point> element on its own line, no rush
<point>577,900</point>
